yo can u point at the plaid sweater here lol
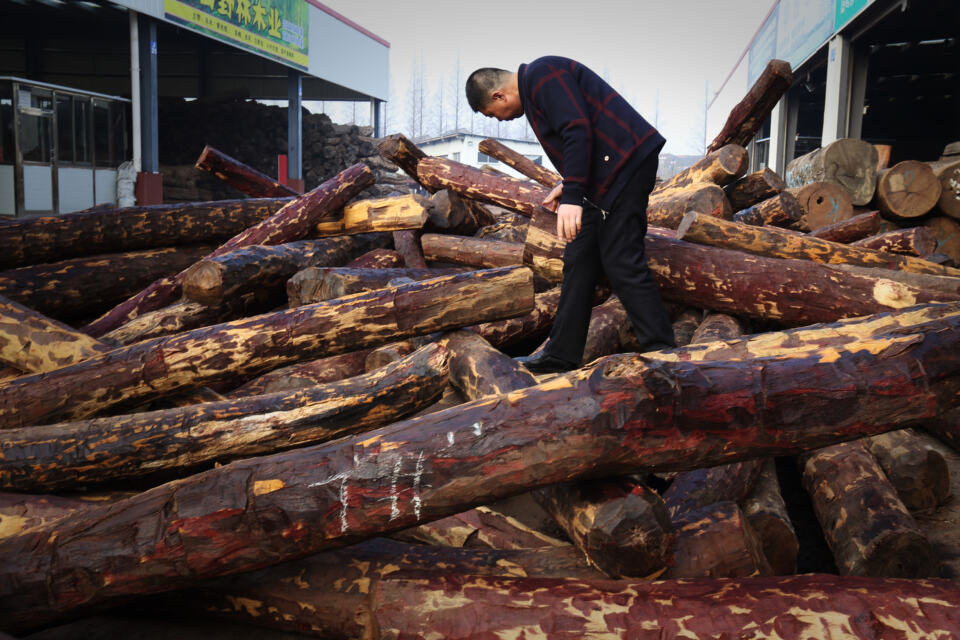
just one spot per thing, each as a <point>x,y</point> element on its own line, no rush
<point>594,138</point>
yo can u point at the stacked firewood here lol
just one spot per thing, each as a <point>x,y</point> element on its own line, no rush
<point>312,420</point>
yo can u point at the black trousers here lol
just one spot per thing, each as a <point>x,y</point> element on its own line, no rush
<point>611,244</point>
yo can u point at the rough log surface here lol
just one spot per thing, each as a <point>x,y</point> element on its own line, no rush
<point>948,173</point>
<point>398,213</point>
<point>71,235</point>
<point>749,114</point>
<point>520,162</point>
<point>473,252</point>
<point>292,222</point>
<point>505,333</point>
<point>947,232</point>
<point>510,193</point>
<point>152,368</point>
<point>753,188</point>
<point>478,369</point>
<point>916,470</point>
<point>667,208</point>
<point>407,244</point>
<point>858,227</point>
<point>907,190</point>
<point>400,151</point>
<point>241,177</point>
<point>604,420</point>
<point>378,259</point>
<point>448,212</point>
<point>780,210</point>
<point>66,456</point>
<point>482,528</point>
<point>825,203</point>
<point>316,284</point>
<point>767,514</point>
<point>303,374</point>
<point>868,528</point>
<point>848,162</point>
<point>913,241</point>
<point>684,326</point>
<point>720,167</point>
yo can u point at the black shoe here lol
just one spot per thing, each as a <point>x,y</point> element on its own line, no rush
<point>545,363</point>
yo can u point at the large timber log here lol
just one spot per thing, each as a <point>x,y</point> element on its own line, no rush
<point>478,369</point>
<point>848,162</point>
<point>769,242</point>
<point>378,259</point>
<point>73,235</point>
<point>684,326</point>
<point>795,292</point>
<point>19,511</point>
<point>824,203</point>
<point>34,343</point>
<point>292,222</point>
<point>907,190</point>
<point>153,368</point>
<point>866,525</point>
<point>481,528</point>
<point>753,188</point>
<point>449,213</point>
<point>779,210</point>
<point>287,505</point>
<point>945,285</point>
<point>767,514</point>
<point>422,603</point>
<point>720,167</point>
<point>947,232</point>
<point>858,227</point>
<point>520,162</point>
<point>698,488</point>
<point>303,374</point>
<point>716,541</point>
<point>510,193</point>
<point>948,174</point>
<point>667,208</point>
<point>608,321</point>
<point>912,241</point>
<point>316,284</point>
<point>397,213</point>
<point>407,244</point>
<point>215,280</point>
<point>506,333</point>
<point>473,252</point>
<point>82,287</point>
<point>917,471</point>
<point>241,177</point>
<point>63,457</point>
<point>749,114</point>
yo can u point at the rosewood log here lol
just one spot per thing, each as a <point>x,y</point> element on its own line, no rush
<point>292,222</point>
<point>472,252</point>
<point>215,280</point>
<point>780,210</point>
<point>303,375</point>
<point>913,241</point>
<point>510,193</point>
<point>72,235</point>
<point>869,530</point>
<point>753,188</point>
<point>858,227</point>
<point>316,284</point>
<point>917,471</point>
<point>506,333</point>
<point>824,203</point>
<point>667,208</point>
<point>608,321</point>
<point>947,232</point>
<point>60,457</point>
<point>407,244</point>
<point>34,343</point>
<point>848,162</point>
<point>767,514</point>
<point>605,419</point>
<point>447,212</point>
<point>720,167</point>
<point>392,351</point>
<point>400,151</point>
<point>478,369</point>
<point>482,528</point>
<point>241,177</point>
<point>716,541</point>
<point>948,173</point>
<point>378,259</point>
<point>19,512</point>
<point>907,190</point>
<point>749,114</point>
<point>82,287</point>
<point>764,241</point>
<point>718,326</point>
<point>684,326</point>
<point>398,213</point>
<point>161,366</point>
<point>523,164</point>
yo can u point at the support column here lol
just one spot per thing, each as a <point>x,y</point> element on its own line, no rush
<point>778,122</point>
<point>375,120</point>
<point>149,189</point>
<point>836,104</point>
<point>294,130</point>
<point>858,93</point>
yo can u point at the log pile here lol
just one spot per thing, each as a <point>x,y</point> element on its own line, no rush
<point>320,426</point>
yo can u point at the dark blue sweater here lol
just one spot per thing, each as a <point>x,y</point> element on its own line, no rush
<point>594,138</point>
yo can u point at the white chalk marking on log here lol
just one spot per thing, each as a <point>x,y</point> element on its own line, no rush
<point>418,472</point>
<point>477,429</point>
<point>394,509</point>
<point>343,505</point>
<point>450,437</point>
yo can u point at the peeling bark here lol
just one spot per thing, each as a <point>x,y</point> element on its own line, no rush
<point>241,177</point>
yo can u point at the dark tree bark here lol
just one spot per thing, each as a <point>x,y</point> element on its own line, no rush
<point>82,287</point>
<point>824,204</point>
<point>378,259</point>
<point>907,190</point>
<point>720,167</point>
<point>449,213</point>
<point>316,284</point>
<point>947,232</point>
<point>913,241</point>
<point>866,525</point>
<point>62,457</point>
<point>769,242</point>
<point>917,471</point>
<point>779,210</point>
<point>749,114</point>
<point>483,528</point>
<point>407,244</point>
<point>767,514</point>
<point>510,193</point>
<point>607,323</point>
<point>848,162</point>
<point>400,151</point>
<point>241,177</point>
<point>291,222</point>
<point>856,228</point>
<point>948,173</point>
<point>753,188</point>
<point>667,208</point>
<point>506,333</point>
<point>523,164</point>
<point>285,506</point>
<point>473,252</point>
<point>73,235</point>
<point>391,352</point>
<point>303,375</point>
<point>161,366</point>
<point>214,281</point>
<point>685,326</point>
<point>34,343</point>
<point>478,369</point>
<point>718,326</point>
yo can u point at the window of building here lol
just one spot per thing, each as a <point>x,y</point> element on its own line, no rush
<point>456,156</point>
<point>482,157</point>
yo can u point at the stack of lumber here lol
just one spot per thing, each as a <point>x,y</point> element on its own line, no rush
<point>315,422</point>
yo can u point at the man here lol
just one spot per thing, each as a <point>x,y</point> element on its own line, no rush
<point>607,155</point>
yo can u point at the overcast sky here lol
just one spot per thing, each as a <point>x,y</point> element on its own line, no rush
<point>664,56</point>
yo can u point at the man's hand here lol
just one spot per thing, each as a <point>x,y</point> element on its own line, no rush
<point>550,202</point>
<point>568,221</point>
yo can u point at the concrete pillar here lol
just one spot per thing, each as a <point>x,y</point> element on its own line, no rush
<point>149,189</point>
<point>294,130</point>
<point>778,119</point>
<point>375,118</point>
<point>836,104</point>
<point>858,93</point>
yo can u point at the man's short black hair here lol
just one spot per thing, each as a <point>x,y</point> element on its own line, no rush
<point>482,83</point>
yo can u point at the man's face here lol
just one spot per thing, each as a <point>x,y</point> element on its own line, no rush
<point>503,106</point>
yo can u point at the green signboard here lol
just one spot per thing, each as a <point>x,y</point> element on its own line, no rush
<point>276,28</point>
<point>846,9</point>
